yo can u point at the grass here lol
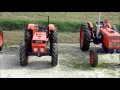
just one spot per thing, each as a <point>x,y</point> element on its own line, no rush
<point>62,16</point>
<point>68,37</point>
<point>13,37</point>
<point>64,21</point>
<point>16,37</point>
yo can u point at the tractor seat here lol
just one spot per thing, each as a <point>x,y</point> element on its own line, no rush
<point>101,23</point>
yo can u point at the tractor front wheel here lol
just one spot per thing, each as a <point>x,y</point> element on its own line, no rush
<point>85,37</point>
<point>1,40</point>
<point>93,58</point>
<point>23,55</point>
<point>54,54</point>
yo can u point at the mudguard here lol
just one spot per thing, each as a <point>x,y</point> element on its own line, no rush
<point>51,27</point>
<point>91,28</point>
<point>31,27</point>
<point>90,25</point>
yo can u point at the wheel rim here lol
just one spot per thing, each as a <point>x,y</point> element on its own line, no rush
<point>91,57</point>
<point>1,38</point>
<point>81,38</point>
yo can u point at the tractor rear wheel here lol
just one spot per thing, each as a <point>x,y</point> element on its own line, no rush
<point>54,54</point>
<point>28,39</point>
<point>85,37</point>
<point>53,36</point>
<point>23,55</point>
<point>93,58</point>
<point>1,40</point>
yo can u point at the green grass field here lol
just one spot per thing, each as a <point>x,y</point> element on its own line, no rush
<point>64,21</point>
<point>17,37</point>
<point>114,17</point>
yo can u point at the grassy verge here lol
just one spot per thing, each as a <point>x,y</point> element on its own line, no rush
<point>13,37</point>
<point>16,37</point>
<point>61,26</point>
<point>114,17</point>
<point>64,21</point>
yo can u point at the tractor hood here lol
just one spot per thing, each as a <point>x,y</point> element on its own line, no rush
<point>109,32</point>
<point>111,38</point>
<point>40,36</point>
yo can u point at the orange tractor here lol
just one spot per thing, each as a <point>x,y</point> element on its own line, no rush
<point>39,41</point>
<point>104,34</point>
<point>1,40</point>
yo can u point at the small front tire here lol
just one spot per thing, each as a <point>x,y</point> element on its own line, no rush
<point>93,58</point>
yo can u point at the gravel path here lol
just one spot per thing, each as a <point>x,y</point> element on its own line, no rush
<point>73,63</point>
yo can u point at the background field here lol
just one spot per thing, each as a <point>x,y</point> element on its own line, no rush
<point>64,21</point>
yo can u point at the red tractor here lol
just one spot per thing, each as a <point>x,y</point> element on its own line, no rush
<point>39,41</point>
<point>1,40</point>
<point>104,34</point>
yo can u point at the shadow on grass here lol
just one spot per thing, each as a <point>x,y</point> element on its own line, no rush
<point>80,60</point>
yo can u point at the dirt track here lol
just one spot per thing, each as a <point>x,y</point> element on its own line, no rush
<point>72,64</point>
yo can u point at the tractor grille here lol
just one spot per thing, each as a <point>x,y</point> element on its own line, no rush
<point>115,44</point>
<point>38,41</point>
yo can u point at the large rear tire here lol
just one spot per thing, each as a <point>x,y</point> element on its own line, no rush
<point>85,37</point>
<point>53,47</point>
<point>1,40</point>
<point>23,55</point>
<point>53,36</point>
<point>93,58</point>
<point>54,54</point>
<point>28,39</point>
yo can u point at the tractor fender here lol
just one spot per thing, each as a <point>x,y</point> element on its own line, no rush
<point>31,27</point>
<point>91,28</point>
<point>51,27</point>
<point>90,25</point>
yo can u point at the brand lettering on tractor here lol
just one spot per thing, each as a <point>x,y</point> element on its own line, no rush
<point>114,43</point>
<point>115,40</point>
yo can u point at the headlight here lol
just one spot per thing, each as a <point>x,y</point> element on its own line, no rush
<point>35,49</point>
<point>41,49</point>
